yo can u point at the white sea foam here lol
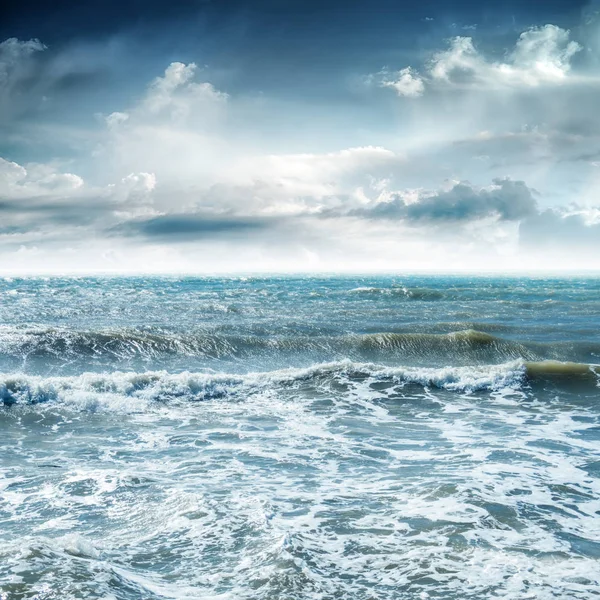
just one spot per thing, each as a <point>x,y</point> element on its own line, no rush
<point>138,391</point>
<point>92,391</point>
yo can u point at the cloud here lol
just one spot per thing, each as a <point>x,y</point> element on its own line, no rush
<point>11,175</point>
<point>13,57</point>
<point>16,69</point>
<point>49,84</point>
<point>504,200</point>
<point>174,96</point>
<point>406,83</point>
<point>532,145</point>
<point>39,199</point>
<point>177,95</point>
<point>373,224</point>
<point>541,56</point>
<point>173,131</point>
<point>288,183</point>
<point>35,180</point>
<point>181,179</point>
<point>485,112</point>
<point>116,119</point>
<point>135,188</point>
<point>190,227</point>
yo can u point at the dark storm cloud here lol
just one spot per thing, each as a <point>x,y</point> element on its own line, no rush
<point>177,228</point>
<point>506,200</point>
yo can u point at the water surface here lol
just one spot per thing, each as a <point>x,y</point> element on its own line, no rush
<point>299,438</point>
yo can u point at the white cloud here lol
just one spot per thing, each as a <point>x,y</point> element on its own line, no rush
<point>541,56</point>
<point>172,131</point>
<point>461,57</point>
<point>35,180</point>
<point>288,183</point>
<point>176,94</point>
<point>134,191</point>
<point>38,200</point>
<point>174,97</point>
<point>115,119</point>
<point>139,182</point>
<point>406,83</point>
<point>11,174</point>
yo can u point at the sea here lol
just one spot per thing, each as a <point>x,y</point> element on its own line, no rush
<point>300,438</point>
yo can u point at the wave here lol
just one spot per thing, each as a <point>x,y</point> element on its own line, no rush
<point>562,371</point>
<point>129,343</point>
<point>122,343</point>
<point>469,344</point>
<point>50,348</point>
<point>135,391</point>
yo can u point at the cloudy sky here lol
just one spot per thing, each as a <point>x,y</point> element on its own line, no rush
<point>229,135</point>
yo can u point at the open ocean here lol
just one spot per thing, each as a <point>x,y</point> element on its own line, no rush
<point>360,438</point>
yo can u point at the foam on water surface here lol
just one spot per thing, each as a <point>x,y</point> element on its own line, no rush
<point>138,390</point>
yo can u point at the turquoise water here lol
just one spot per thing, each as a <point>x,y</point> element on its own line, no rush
<point>299,438</point>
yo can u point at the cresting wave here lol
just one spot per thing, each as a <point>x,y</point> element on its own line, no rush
<point>461,347</point>
<point>136,391</point>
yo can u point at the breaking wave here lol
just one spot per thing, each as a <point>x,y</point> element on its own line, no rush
<point>138,390</point>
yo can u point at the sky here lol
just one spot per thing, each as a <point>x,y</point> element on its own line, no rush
<point>214,136</point>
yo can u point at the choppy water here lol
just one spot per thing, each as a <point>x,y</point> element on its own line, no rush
<point>280,438</point>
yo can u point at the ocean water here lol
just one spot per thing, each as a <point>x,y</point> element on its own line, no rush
<point>361,438</point>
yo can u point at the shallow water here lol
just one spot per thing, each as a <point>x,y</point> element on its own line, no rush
<point>267,438</point>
